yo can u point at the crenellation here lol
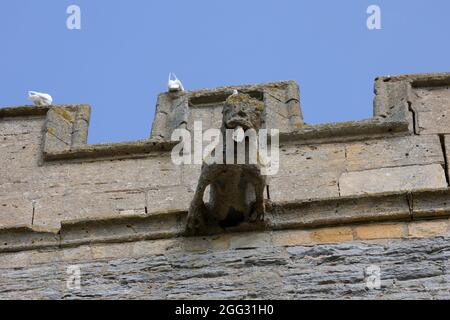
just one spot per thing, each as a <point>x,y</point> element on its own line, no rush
<point>122,184</point>
<point>339,185</point>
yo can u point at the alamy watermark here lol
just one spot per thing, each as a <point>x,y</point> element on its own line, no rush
<point>73,281</point>
<point>73,21</point>
<point>374,20</point>
<point>373,277</point>
<point>252,147</point>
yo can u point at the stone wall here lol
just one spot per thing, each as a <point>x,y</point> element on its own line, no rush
<point>63,197</point>
<point>327,263</point>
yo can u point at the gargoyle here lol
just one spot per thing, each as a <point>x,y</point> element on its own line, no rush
<point>236,190</point>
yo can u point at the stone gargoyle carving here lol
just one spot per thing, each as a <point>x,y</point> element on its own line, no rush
<point>236,190</point>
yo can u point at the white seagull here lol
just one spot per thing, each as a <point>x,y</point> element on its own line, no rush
<point>39,98</point>
<point>174,83</point>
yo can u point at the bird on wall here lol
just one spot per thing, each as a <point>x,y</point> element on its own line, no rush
<point>39,98</point>
<point>174,83</point>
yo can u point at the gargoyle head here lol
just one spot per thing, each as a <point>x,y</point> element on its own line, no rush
<point>241,110</point>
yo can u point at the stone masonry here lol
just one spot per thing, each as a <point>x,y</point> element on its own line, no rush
<point>347,196</point>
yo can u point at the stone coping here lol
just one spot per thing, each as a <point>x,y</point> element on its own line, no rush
<point>302,215</point>
<point>420,79</point>
<point>121,150</point>
<point>384,123</point>
<point>316,133</point>
<point>345,131</point>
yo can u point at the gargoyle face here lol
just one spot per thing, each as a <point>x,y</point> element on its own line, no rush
<point>241,110</point>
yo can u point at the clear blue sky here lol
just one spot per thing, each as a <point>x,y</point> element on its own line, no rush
<point>120,59</point>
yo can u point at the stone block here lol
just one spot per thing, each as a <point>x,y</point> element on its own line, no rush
<point>122,228</point>
<point>200,114</point>
<point>341,211</point>
<point>250,240</point>
<point>154,247</point>
<point>425,229</point>
<point>380,231</point>
<point>303,187</point>
<point>307,172</point>
<point>55,144</point>
<point>159,127</point>
<point>15,210</point>
<point>44,257</point>
<point>431,106</point>
<point>276,114</point>
<point>393,152</point>
<point>431,204</point>
<point>80,132</point>
<point>69,205</point>
<point>81,253</point>
<point>111,251</point>
<point>291,238</point>
<point>220,242</point>
<point>60,124</point>
<point>15,260</point>
<point>332,235</point>
<point>392,179</point>
<point>391,99</point>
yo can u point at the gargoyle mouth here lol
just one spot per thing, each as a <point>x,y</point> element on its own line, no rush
<point>236,122</point>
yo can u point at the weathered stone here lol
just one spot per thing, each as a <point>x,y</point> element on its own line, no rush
<point>15,210</point>
<point>431,106</point>
<point>380,231</point>
<point>341,210</point>
<point>112,251</point>
<point>321,166</point>
<point>251,240</point>
<point>395,152</point>
<point>81,253</point>
<point>80,132</point>
<point>126,248</point>
<point>430,204</point>
<point>332,235</point>
<point>291,238</point>
<point>157,247</point>
<point>392,98</point>
<point>24,238</point>
<point>392,179</point>
<point>127,228</point>
<point>428,229</point>
<point>411,269</point>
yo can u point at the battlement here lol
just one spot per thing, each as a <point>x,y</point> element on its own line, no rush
<point>58,192</point>
<point>50,175</point>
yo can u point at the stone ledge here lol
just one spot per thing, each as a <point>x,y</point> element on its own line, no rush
<point>345,131</point>
<point>30,110</point>
<point>22,111</point>
<point>127,150</point>
<point>66,127</point>
<point>378,233</point>
<point>302,215</point>
<point>420,79</point>
<point>25,237</point>
<point>318,133</point>
<point>159,225</point>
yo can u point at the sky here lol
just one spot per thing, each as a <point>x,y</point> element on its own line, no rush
<point>119,61</point>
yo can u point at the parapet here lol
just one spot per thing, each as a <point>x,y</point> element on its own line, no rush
<point>180,110</point>
<point>53,179</point>
<point>348,196</point>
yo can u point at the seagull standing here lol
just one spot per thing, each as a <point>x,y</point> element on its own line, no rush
<point>39,98</point>
<point>174,83</point>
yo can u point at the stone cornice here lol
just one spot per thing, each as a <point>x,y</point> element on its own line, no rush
<point>402,206</point>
